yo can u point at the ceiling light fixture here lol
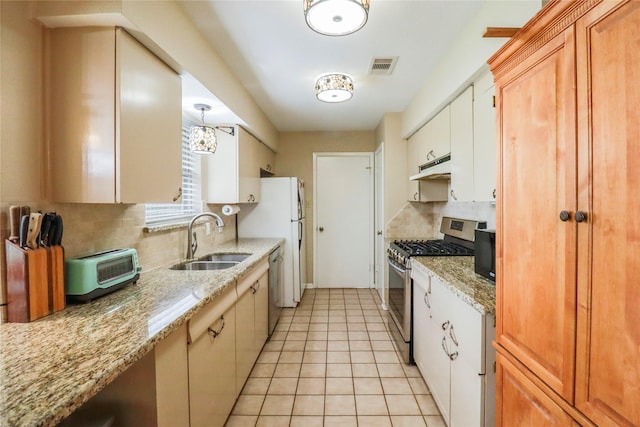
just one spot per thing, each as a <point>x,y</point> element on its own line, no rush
<point>202,138</point>
<point>334,87</point>
<point>336,17</point>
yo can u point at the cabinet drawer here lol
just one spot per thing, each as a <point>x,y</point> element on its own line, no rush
<point>210,313</point>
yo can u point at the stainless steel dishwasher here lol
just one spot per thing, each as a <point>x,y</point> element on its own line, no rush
<point>275,287</point>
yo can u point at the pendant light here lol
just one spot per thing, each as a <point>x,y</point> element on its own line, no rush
<point>334,87</point>
<point>202,138</point>
<point>336,17</point>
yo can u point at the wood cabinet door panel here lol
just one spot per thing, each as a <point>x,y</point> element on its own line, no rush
<point>261,312</point>
<point>521,403</point>
<point>245,337</point>
<point>536,251</point>
<point>212,374</point>
<point>440,384</point>
<point>148,123</point>
<point>608,356</point>
<point>462,149</point>
<point>484,141</point>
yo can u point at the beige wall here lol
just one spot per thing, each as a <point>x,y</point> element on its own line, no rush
<point>395,164</point>
<point>295,158</point>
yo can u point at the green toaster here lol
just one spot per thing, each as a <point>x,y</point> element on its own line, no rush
<point>89,277</point>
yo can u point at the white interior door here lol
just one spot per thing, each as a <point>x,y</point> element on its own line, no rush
<point>343,220</point>
<point>379,256</point>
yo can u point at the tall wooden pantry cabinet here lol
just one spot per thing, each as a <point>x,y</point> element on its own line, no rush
<point>568,251</point>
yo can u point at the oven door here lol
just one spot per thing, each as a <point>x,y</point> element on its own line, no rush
<point>400,298</point>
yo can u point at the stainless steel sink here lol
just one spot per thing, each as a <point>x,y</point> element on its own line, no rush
<point>231,257</point>
<point>204,265</point>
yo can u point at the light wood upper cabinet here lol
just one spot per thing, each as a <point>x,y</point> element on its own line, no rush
<point>434,138</point>
<point>462,147</point>
<point>114,119</point>
<point>233,171</point>
<point>484,140</point>
<point>266,158</point>
<point>567,242</point>
<point>413,187</point>
<point>608,356</point>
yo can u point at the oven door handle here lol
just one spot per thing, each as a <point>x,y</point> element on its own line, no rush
<point>395,267</point>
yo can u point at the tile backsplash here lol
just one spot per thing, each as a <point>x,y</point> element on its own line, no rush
<point>91,228</point>
<point>422,220</point>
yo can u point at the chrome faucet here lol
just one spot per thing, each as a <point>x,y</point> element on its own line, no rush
<point>192,245</point>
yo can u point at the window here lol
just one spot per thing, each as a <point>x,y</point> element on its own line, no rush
<point>157,214</point>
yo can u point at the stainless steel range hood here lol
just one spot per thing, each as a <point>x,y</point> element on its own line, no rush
<point>438,169</point>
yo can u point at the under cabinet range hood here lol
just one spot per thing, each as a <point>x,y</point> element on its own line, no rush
<point>439,168</point>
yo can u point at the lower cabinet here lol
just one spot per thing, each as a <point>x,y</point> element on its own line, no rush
<point>212,362</point>
<point>522,403</point>
<point>252,330</point>
<point>452,349</point>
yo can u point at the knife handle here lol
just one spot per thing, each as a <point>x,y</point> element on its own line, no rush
<point>24,230</point>
<point>25,210</point>
<point>14,219</point>
<point>55,233</point>
<point>35,222</point>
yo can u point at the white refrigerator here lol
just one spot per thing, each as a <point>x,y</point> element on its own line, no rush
<point>280,213</point>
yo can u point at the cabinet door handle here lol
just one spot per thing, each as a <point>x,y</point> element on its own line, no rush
<point>426,299</point>
<point>415,196</point>
<point>176,198</point>
<point>254,288</point>
<point>453,356</point>
<point>453,336</point>
<point>251,198</point>
<point>453,195</point>
<point>581,216</point>
<point>268,168</point>
<point>430,153</point>
<point>445,325</point>
<point>494,193</point>
<point>215,333</point>
<point>565,216</point>
<point>444,347</point>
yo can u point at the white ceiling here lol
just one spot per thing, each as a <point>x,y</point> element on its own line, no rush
<point>269,47</point>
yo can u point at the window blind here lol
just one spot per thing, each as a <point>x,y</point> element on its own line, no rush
<point>191,201</point>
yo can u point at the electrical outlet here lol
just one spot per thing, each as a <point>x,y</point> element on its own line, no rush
<point>207,228</point>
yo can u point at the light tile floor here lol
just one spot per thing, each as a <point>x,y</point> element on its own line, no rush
<point>331,362</point>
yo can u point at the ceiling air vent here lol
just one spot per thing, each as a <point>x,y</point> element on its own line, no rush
<point>383,66</point>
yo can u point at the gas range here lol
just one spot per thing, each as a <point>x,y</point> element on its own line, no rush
<point>459,235</point>
<point>458,241</point>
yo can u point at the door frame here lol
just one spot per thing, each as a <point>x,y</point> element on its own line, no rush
<point>380,260</point>
<point>371,157</point>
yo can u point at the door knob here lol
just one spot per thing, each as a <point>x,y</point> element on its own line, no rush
<point>564,216</point>
<point>321,229</point>
<point>581,216</point>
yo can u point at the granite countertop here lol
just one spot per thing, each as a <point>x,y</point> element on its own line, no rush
<point>50,367</point>
<point>458,273</point>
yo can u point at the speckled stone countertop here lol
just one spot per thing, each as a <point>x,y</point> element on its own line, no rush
<point>50,367</point>
<point>459,274</point>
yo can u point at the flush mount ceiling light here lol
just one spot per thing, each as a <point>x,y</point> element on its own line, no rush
<point>202,138</point>
<point>336,17</point>
<point>334,88</point>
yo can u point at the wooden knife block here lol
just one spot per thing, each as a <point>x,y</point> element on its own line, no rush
<point>35,282</point>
